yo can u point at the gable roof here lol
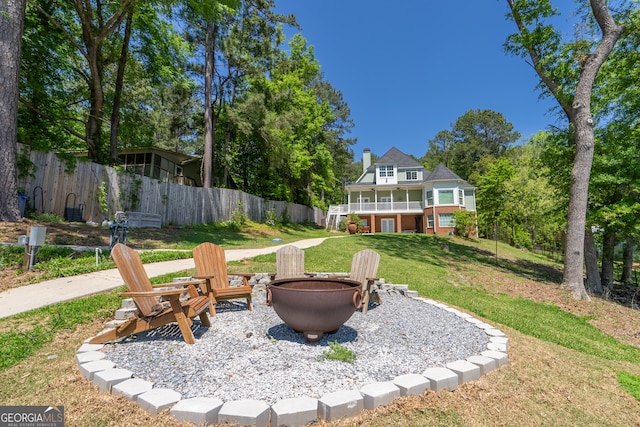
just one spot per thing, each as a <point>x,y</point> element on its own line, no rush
<point>443,173</point>
<point>398,158</point>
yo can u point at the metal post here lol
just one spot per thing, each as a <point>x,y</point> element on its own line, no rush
<point>497,214</point>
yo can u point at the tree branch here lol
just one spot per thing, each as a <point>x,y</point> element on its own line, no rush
<point>50,118</point>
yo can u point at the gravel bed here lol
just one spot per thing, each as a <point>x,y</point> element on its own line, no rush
<point>254,355</point>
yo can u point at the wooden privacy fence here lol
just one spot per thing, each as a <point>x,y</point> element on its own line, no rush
<point>75,195</point>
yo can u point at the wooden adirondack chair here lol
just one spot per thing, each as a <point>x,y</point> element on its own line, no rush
<point>152,312</point>
<point>289,263</point>
<point>364,269</point>
<point>211,265</point>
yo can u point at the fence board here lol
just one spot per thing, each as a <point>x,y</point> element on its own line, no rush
<point>53,189</point>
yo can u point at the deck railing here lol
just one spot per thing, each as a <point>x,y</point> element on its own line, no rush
<point>370,207</point>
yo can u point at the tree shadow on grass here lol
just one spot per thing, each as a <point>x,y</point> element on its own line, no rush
<point>443,251</point>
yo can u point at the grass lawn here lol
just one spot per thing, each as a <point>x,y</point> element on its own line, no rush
<point>570,362</point>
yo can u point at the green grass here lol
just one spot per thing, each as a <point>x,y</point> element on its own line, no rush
<point>26,333</point>
<point>429,264</point>
<point>53,262</point>
<point>252,235</point>
<point>630,383</point>
<point>338,352</point>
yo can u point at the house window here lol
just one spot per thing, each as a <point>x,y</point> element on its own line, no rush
<point>461,197</point>
<point>430,221</point>
<point>445,197</point>
<point>386,171</point>
<point>388,225</point>
<point>446,220</point>
<point>430,198</point>
<point>412,175</point>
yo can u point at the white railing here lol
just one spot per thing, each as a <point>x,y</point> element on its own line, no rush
<point>369,207</point>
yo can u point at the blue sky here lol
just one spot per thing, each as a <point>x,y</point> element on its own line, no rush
<point>409,69</point>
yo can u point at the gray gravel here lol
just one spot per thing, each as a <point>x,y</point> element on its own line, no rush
<point>254,355</point>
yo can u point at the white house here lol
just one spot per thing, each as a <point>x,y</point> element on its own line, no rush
<point>397,194</point>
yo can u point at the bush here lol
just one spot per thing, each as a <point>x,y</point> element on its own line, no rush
<point>239,217</point>
<point>465,223</point>
<point>271,218</point>
<point>48,218</point>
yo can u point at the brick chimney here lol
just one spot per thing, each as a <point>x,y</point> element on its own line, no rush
<point>366,159</point>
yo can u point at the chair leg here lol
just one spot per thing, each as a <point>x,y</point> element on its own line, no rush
<point>366,295</point>
<point>212,306</point>
<point>183,321</point>
<point>204,319</point>
<point>365,301</point>
<point>249,303</point>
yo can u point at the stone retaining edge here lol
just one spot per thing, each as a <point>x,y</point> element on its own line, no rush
<point>297,411</point>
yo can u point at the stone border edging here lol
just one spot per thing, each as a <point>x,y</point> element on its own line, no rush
<point>301,410</point>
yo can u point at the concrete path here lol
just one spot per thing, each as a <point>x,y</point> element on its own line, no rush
<point>29,297</point>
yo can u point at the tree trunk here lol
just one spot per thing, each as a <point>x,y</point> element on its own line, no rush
<point>573,277</point>
<point>95,29</point>
<point>580,117</point>
<point>117,98</point>
<point>608,247</point>
<point>627,269</point>
<point>591,261</point>
<point>11,27</point>
<point>207,160</point>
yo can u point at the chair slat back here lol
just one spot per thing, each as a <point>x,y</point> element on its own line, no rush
<point>210,260</point>
<point>364,266</point>
<point>134,275</point>
<point>289,262</point>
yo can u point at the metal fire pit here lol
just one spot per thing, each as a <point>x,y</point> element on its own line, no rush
<point>314,306</point>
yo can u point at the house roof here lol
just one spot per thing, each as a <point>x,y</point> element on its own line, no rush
<point>442,173</point>
<point>398,158</point>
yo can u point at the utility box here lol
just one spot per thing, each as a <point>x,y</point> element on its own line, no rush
<point>37,235</point>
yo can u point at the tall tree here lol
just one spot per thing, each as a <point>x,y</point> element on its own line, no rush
<point>542,43</point>
<point>475,134</point>
<point>11,27</point>
<point>614,203</point>
<point>98,22</point>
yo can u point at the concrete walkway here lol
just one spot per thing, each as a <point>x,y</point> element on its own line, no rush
<point>29,297</point>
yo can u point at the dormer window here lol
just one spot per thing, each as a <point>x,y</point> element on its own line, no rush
<point>386,171</point>
<point>412,174</point>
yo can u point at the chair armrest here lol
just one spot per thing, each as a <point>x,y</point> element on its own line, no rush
<point>204,277</point>
<point>159,293</point>
<point>245,277</point>
<point>242,274</point>
<point>188,285</point>
<point>179,284</point>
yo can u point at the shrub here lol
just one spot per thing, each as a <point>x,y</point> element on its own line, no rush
<point>465,223</point>
<point>271,218</point>
<point>239,217</point>
<point>48,218</point>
